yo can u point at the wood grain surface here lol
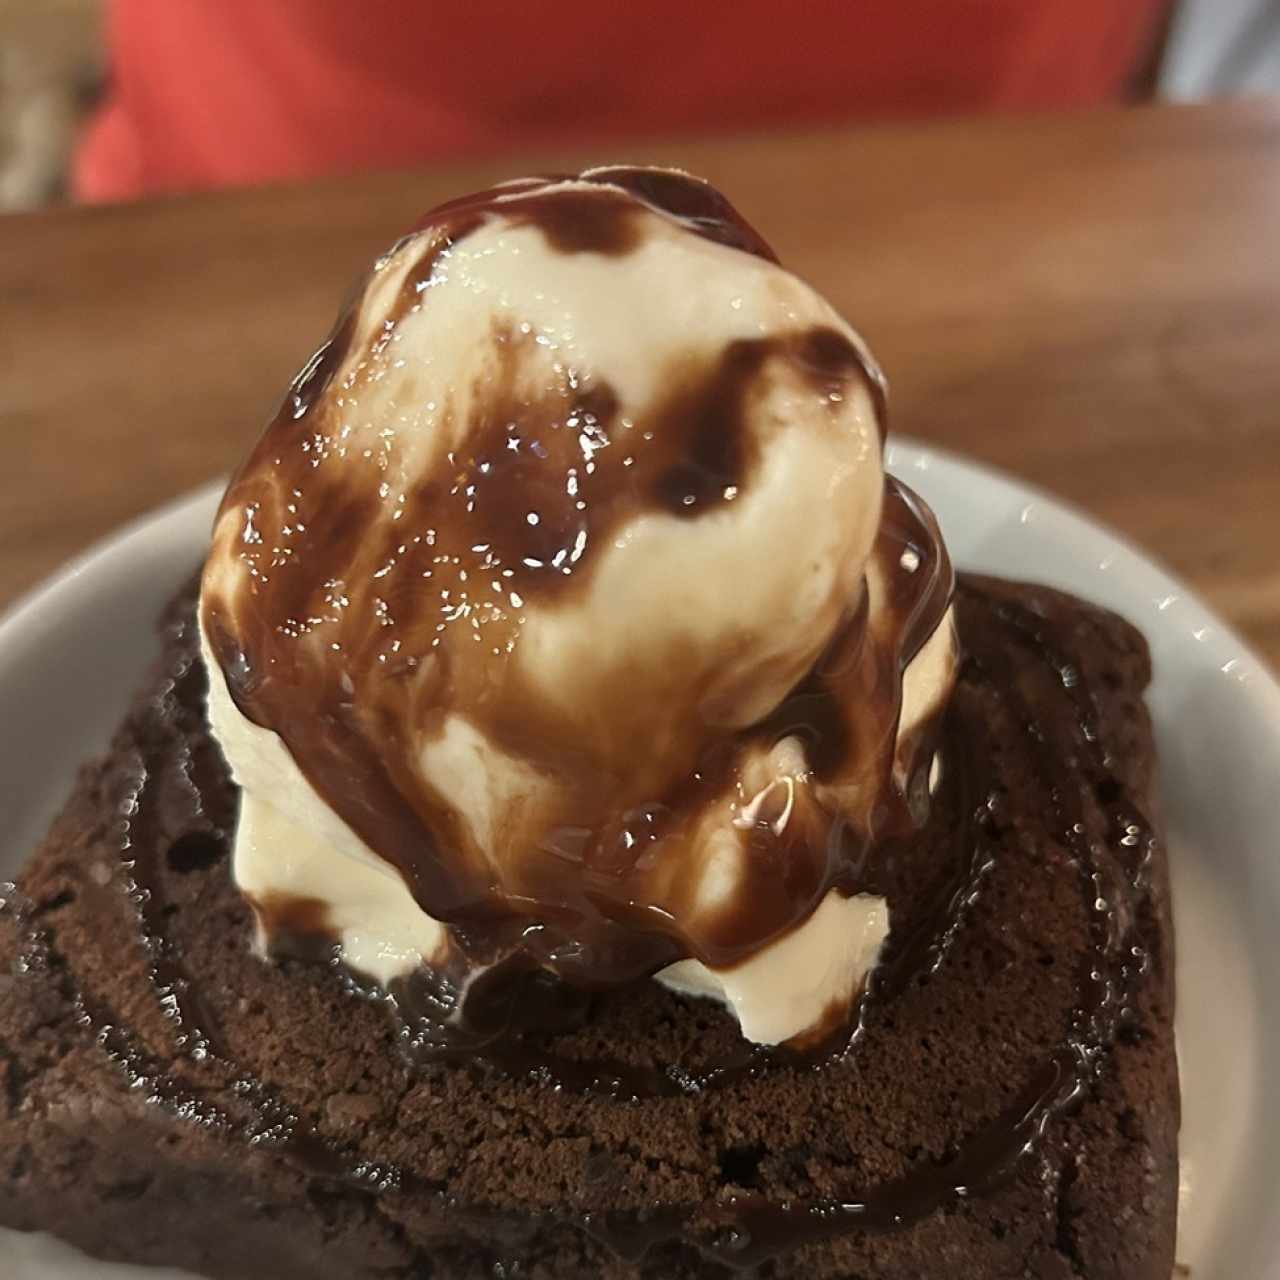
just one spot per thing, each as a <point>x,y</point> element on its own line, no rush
<point>1091,302</point>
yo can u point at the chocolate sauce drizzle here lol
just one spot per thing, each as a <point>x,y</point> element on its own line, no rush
<point>603,220</point>
<point>345,633</point>
<point>1096,818</point>
<point>549,963</point>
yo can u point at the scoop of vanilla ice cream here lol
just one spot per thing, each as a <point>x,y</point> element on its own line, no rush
<point>551,526</point>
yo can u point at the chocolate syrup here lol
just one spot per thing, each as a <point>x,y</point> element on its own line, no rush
<point>566,946</point>
<point>603,221</point>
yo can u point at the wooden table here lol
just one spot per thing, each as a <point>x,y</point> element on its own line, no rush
<point>1090,301</point>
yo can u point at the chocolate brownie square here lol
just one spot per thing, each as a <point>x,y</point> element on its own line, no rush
<point>1008,1105</point>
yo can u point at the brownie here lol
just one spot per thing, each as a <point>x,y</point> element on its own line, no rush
<point>1008,1105</point>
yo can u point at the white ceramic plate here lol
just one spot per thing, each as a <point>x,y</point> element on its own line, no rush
<point>72,652</point>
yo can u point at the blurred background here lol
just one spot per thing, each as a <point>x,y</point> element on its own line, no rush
<point>106,100</point>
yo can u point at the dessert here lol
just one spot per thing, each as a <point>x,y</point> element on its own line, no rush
<point>643,858</point>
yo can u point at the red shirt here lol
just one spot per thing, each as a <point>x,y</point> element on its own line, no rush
<point>214,92</point>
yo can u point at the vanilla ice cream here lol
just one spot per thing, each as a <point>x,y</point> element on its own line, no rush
<point>563,611</point>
